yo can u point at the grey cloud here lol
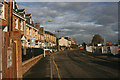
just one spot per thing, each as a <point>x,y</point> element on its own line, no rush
<point>77,20</point>
<point>67,0</point>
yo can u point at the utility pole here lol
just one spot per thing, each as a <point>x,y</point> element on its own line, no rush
<point>44,36</point>
<point>58,31</point>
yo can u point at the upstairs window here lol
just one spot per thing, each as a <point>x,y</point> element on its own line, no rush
<point>30,21</point>
<point>21,25</point>
<point>16,23</point>
<point>33,33</point>
<point>30,31</point>
<point>51,37</point>
<point>1,10</point>
<point>39,36</point>
<point>27,31</point>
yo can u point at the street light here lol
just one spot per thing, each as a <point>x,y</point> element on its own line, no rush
<point>58,31</point>
<point>44,36</point>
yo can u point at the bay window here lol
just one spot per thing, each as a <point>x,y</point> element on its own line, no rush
<point>1,10</point>
<point>16,23</point>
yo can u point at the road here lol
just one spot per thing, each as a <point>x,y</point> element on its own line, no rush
<point>75,64</point>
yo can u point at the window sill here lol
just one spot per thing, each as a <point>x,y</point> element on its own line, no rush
<point>2,18</point>
<point>17,28</point>
<point>21,30</point>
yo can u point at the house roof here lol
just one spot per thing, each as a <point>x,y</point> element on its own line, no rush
<point>66,38</point>
<point>50,33</point>
<point>20,10</point>
<point>29,14</point>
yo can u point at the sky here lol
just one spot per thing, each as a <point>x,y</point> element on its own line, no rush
<point>79,20</point>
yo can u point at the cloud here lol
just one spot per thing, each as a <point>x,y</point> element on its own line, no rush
<point>80,20</point>
<point>67,0</point>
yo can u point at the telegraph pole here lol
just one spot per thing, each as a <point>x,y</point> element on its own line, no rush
<point>58,31</point>
<point>44,36</point>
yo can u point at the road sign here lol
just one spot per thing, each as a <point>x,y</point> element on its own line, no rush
<point>32,41</point>
<point>9,57</point>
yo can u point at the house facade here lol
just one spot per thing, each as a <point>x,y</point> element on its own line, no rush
<point>66,41</point>
<point>16,31</point>
<point>50,39</point>
<point>10,42</point>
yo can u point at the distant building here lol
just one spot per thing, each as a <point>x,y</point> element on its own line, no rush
<point>66,41</point>
<point>109,43</point>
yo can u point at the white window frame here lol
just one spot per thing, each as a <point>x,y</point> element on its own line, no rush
<point>3,11</point>
<point>30,31</point>
<point>21,25</point>
<point>16,23</point>
<point>33,33</point>
<point>27,31</point>
<point>13,4</point>
<point>30,21</point>
<point>51,38</point>
<point>39,36</point>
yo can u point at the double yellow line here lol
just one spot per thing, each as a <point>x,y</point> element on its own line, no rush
<point>56,68</point>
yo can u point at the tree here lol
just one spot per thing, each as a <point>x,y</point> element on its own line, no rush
<point>84,45</point>
<point>97,39</point>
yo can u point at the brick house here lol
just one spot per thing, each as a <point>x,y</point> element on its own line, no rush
<point>31,31</point>
<point>10,42</point>
<point>40,35</point>
<point>16,30</point>
<point>50,39</point>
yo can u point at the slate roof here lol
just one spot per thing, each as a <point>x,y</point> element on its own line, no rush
<point>66,38</point>
<point>50,33</point>
<point>20,10</point>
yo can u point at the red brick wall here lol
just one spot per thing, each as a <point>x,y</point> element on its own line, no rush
<point>0,53</point>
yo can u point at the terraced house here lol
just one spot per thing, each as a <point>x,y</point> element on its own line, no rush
<point>30,30</point>
<point>10,40</point>
<point>16,31</point>
<point>50,39</point>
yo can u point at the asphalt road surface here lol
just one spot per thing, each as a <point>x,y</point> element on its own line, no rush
<point>76,64</point>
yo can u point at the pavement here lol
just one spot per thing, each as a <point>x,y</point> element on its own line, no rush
<point>75,64</point>
<point>40,70</point>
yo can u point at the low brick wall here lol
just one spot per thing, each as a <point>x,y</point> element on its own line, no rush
<point>26,65</point>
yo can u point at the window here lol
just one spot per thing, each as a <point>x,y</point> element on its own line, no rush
<point>30,31</point>
<point>13,4</point>
<point>30,21</point>
<point>27,31</point>
<point>33,33</point>
<point>51,37</point>
<point>21,25</point>
<point>1,10</point>
<point>16,23</point>
<point>39,36</point>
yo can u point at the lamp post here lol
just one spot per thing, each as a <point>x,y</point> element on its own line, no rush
<point>58,31</point>
<point>44,36</point>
